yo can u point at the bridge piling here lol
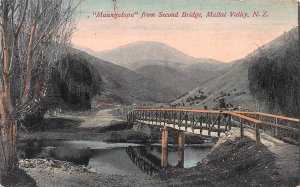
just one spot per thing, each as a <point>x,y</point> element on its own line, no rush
<point>181,140</point>
<point>164,147</point>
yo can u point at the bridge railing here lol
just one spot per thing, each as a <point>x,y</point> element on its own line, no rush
<point>199,120</point>
<point>281,127</point>
<point>217,122</point>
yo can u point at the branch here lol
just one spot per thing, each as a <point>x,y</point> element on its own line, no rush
<point>22,19</point>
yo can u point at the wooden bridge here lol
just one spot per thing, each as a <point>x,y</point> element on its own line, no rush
<point>214,123</point>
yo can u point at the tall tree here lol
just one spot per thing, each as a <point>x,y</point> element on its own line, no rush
<point>33,36</point>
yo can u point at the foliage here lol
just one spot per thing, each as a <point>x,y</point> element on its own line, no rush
<point>273,79</point>
<point>201,98</point>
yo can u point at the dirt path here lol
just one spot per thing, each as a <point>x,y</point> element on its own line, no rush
<point>103,118</point>
<point>287,155</point>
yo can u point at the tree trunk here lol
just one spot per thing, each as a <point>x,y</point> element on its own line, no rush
<point>28,74</point>
<point>8,157</point>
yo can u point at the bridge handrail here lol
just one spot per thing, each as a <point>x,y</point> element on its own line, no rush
<point>269,115</point>
<point>180,110</point>
<point>245,117</point>
<point>238,114</point>
<point>214,111</point>
<point>281,126</point>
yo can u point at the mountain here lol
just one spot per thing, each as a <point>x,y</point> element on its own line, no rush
<point>122,85</point>
<point>138,54</point>
<point>163,63</point>
<point>263,80</point>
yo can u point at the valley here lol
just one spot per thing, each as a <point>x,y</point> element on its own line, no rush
<point>151,83</point>
<point>149,93</point>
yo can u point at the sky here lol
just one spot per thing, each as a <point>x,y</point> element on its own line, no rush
<point>225,39</point>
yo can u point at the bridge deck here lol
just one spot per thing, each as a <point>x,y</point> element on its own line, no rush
<point>196,130</point>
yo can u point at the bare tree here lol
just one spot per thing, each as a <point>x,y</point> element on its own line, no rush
<point>34,34</point>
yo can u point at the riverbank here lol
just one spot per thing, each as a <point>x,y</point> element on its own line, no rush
<point>107,125</point>
<point>236,162</point>
<point>48,172</point>
<point>233,161</point>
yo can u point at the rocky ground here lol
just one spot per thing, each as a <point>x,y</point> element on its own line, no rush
<point>232,162</point>
<point>49,172</point>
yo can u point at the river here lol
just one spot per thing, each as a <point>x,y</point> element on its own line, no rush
<point>112,158</point>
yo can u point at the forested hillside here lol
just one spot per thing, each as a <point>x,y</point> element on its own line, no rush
<point>273,74</point>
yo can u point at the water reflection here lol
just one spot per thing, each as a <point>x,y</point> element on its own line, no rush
<point>122,159</point>
<point>142,157</point>
<point>180,158</point>
<point>42,149</point>
<point>147,159</point>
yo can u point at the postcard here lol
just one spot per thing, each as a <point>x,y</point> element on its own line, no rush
<point>149,93</point>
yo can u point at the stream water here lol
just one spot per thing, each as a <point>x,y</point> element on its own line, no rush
<point>112,158</point>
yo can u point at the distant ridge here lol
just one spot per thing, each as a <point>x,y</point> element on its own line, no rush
<point>163,63</point>
<point>122,85</point>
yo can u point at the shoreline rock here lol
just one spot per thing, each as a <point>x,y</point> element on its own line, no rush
<point>54,165</point>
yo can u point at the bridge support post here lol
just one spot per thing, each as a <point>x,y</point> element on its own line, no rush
<point>219,125</point>
<point>276,129</point>
<point>181,141</point>
<point>229,122</point>
<point>164,148</point>
<point>242,128</point>
<point>257,133</point>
